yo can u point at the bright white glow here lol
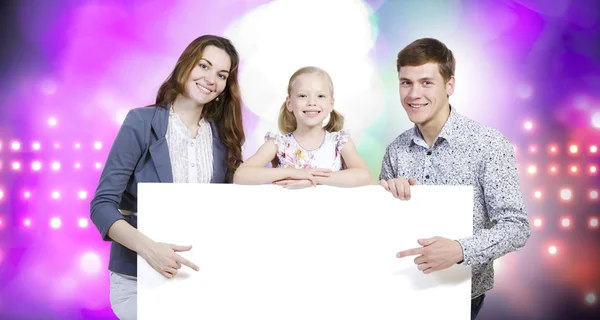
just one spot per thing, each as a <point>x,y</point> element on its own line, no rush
<point>36,146</point>
<point>77,165</point>
<point>552,250</point>
<point>528,125</point>
<point>55,223</point>
<point>532,169</point>
<point>36,166</point>
<point>593,149</point>
<point>593,169</point>
<point>590,298</point>
<point>574,169</point>
<point>346,43</point>
<point>537,222</point>
<point>593,222</point>
<point>56,145</point>
<point>27,194</point>
<point>27,222</point>
<point>90,263</point>
<point>596,120</point>
<point>1,194</point>
<point>56,166</point>
<point>565,222</point>
<point>566,194</point>
<point>55,195</point>
<point>15,145</point>
<point>16,165</point>
<point>537,194</point>
<point>98,165</point>
<point>83,222</point>
<point>82,194</point>
<point>52,122</point>
<point>97,145</point>
<point>573,148</point>
<point>77,145</point>
<point>594,194</point>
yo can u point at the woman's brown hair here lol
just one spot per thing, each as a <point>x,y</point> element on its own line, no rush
<point>226,110</point>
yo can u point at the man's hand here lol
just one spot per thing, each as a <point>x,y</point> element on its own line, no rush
<point>436,254</point>
<point>399,187</point>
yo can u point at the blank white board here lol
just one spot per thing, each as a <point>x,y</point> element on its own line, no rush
<point>266,252</point>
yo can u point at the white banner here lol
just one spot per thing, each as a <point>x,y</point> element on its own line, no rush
<point>266,252</point>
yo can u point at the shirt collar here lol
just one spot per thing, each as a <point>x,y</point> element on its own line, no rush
<point>175,115</point>
<point>449,131</point>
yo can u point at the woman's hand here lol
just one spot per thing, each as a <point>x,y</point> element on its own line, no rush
<point>163,258</point>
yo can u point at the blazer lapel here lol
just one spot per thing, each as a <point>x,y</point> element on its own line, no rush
<point>159,149</point>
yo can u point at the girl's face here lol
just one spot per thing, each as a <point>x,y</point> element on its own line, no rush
<point>310,99</point>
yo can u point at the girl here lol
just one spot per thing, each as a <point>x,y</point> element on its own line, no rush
<point>306,153</point>
<point>193,134</point>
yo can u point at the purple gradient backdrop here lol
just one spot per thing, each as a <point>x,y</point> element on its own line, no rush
<point>84,63</point>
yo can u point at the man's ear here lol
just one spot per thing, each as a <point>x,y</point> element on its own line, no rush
<point>450,86</point>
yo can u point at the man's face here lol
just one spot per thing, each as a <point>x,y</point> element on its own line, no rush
<point>424,94</point>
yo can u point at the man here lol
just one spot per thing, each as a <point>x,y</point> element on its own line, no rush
<point>446,148</point>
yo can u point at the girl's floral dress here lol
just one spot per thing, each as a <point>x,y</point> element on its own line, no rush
<point>327,156</point>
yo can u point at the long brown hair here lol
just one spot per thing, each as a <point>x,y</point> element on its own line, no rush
<point>287,120</point>
<point>226,111</point>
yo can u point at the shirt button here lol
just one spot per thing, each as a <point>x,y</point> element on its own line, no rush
<point>192,144</point>
<point>193,165</point>
<point>428,153</point>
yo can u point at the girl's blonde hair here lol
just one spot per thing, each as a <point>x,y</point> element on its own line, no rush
<point>287,120</point>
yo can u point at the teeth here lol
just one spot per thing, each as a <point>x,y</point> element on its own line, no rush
<point>418,105</point>
<point>203,88</point>
<point>311,113</point>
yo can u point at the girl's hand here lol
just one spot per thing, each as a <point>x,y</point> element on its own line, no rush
<point>301,174</point>
<point>294,184</point>
<point>318,172</point>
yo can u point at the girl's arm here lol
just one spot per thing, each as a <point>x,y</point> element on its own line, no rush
<point>253,170</point>
<point>357,172</point>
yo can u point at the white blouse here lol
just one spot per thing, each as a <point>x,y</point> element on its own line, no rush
<point>191,158</point>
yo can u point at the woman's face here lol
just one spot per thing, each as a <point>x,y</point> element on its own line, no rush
<point>208,79</point>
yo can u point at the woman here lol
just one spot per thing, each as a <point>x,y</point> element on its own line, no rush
<point>193,134</point>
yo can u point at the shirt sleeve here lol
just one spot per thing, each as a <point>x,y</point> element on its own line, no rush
<point>120,163</point>
<point>504,205</point>
<point>387,167</point>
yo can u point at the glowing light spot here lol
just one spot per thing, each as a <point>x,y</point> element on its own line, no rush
<point>90,263</point>
<point>55,223</point>
<point>83,222</point>
<point>566,194</point>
